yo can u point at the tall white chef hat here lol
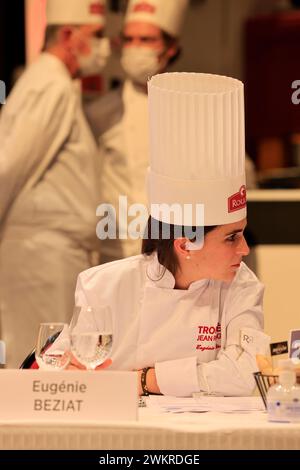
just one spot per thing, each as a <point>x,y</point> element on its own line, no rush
<point>197,147</point>
<point>167,14</point>
<point>61,12</point>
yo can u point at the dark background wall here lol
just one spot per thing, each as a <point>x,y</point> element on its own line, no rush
<point>12,38</point>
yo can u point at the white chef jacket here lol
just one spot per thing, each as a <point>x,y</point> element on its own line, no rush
<point>120,125</point>
<point>47,154</point>
<point>192,337</point>
<point>48,200</point>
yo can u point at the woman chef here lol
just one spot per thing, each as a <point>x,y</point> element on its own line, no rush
<point>187,313</point>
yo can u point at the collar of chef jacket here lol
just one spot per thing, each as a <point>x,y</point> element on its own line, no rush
<point>164,279</point>
<point>53,62</point>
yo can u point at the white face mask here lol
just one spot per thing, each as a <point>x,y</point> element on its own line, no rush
<point>140,63</point>
<point>95,62</point>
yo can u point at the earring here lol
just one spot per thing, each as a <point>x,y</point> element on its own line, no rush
<point>188,257</point>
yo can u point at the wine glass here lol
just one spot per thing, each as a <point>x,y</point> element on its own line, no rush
<point>91,335</point>
<point>53,346</point>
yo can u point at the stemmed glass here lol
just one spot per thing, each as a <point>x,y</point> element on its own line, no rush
<point>53,346</point>
<point>91,335</point>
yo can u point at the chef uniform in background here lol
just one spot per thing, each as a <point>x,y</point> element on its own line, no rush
<point>120,119</point>
<point>48,184</point>
<point>204,338</point>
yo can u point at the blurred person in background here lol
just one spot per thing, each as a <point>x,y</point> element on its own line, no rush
<point>119,120</point>
<point>48,181</point>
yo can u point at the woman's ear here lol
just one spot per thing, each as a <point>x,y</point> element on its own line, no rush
<point>180,247</point>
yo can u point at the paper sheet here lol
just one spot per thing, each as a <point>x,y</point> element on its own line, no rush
<point>205,404</point>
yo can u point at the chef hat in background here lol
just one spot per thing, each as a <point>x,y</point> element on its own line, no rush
<point>166,14</point>
<point>61,12</point>
<point>197,147</point>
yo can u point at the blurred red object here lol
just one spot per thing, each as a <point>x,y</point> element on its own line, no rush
<point>271,66</point>
<point>92,85</point>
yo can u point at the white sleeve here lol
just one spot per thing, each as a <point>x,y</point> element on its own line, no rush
<point>30,134</point>
<point>178,377</point>
<point>83,321</point>
<point>232,372</point>
<point>80,295</point>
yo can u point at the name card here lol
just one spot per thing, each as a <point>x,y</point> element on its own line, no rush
<point>68,396</point>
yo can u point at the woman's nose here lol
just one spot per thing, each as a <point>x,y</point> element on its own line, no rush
<point>243,248</point>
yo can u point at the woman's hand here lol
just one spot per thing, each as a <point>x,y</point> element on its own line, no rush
<point>151,381</point>
<point>105,365</point>
<point>75,365</point>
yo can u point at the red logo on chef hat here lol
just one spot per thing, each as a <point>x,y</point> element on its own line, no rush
<point>144,7</point>
<point>238,201</point>
<point>97,8</point>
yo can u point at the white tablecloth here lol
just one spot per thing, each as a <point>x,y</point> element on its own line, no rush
<point>156,431</point>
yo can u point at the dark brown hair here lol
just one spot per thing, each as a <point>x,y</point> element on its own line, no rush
<point>164,247</point>
<point>171,41</point>
<point>50,36</point>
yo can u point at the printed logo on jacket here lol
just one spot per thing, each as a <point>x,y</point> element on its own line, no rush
<point>209,337</point>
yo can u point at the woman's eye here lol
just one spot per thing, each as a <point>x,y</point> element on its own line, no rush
<point>232,238</point>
